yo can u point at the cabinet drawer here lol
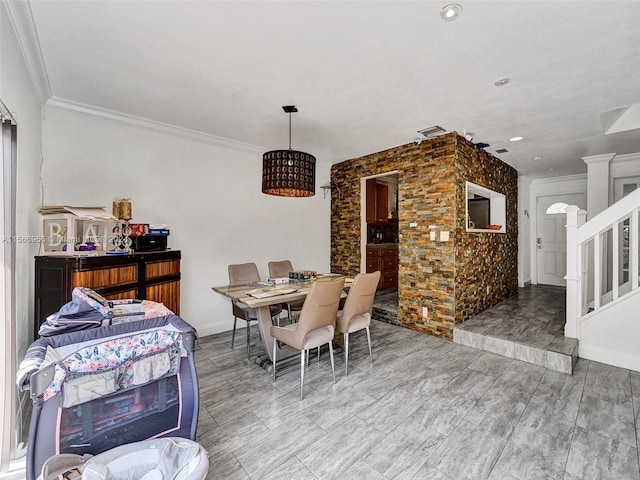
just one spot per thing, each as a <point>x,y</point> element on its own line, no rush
<point>167,293</point>
<point>162,269</point>
<point>105,277</point>
<point>388,281</point>
<point>129,294</point>
<point>382,252</point>
<point>388,252</point>
<point>389,264</point>
<point>373,265</point>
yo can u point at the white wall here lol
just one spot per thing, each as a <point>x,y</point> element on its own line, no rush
<point>18,94</point>
<point>208,190</point>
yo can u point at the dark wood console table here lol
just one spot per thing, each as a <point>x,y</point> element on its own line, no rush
<point>143,275</point>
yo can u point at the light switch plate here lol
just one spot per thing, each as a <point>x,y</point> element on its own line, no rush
<point>444,236</point>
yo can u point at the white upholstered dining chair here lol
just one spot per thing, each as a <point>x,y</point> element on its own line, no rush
<point>281,269</point>
<point>243,274</point>
<point>356,313</point>
<point>315,326</point>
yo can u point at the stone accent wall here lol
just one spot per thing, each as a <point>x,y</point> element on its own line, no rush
<point>486,263</point>
<point>430,181</point>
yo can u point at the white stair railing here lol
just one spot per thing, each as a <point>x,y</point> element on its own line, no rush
<point>602,258</point>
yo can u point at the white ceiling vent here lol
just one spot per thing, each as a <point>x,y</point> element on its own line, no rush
<point>432,131</point>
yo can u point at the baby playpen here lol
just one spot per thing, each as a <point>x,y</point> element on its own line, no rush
<point>107,374</point>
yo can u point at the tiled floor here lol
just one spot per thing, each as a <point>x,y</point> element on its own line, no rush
<point>426,409</point>
<point>528,326</point>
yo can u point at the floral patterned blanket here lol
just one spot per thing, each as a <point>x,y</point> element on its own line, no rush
<point>116,364</point>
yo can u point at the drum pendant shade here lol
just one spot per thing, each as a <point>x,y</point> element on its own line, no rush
<point>289,173</point>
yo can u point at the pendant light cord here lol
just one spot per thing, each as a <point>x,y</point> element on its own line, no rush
<point>289,130</point>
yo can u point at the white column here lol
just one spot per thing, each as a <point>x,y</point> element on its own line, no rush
<point>524,232</point>
<point>597,182</point>
<point>586,276</point>
<point>575,218</point>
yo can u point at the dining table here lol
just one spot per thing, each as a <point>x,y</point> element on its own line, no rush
<point>262,295</point>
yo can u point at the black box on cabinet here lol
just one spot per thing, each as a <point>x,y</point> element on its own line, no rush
<point>149,243</point>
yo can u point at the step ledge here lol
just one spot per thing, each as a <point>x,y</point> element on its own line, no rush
<point>556,361</point>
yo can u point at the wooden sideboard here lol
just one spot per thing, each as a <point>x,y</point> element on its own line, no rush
<point>144,275</point>
<point>385,259</point>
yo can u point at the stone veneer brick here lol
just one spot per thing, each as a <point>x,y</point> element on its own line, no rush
<point>454,279</point>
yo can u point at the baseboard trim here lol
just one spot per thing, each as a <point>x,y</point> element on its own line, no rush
<point>631,362</point>
<point>212,329</point>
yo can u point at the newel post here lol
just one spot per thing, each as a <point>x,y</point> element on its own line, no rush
<point>575,218</point>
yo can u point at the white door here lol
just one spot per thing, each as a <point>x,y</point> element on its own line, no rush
<point>551,237</point>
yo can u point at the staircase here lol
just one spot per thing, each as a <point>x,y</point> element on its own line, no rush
<point>603,298</point>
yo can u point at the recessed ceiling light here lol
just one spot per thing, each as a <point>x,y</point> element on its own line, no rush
<point>516,139</point>
<point>501,82</point>
<point>451,12</point>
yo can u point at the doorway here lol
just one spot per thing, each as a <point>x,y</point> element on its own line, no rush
<point>380,240</point>
<point>551,236</point>
<point>8,326</point>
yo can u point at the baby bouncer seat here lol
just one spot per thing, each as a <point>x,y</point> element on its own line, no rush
<point>161,459</point>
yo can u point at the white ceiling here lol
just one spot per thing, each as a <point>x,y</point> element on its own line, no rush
<point>365,75</point>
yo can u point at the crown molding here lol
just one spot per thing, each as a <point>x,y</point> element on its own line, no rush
<point>21,19</point>
<point>594,159</point>
<point>629,157</point>
<point>154,125</point>
<point>151,124</point>
<point>566,178</point>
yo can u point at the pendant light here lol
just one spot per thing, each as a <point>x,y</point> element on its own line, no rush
<point>289,173</point>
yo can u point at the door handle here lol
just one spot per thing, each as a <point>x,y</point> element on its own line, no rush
<point>539,242</point>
